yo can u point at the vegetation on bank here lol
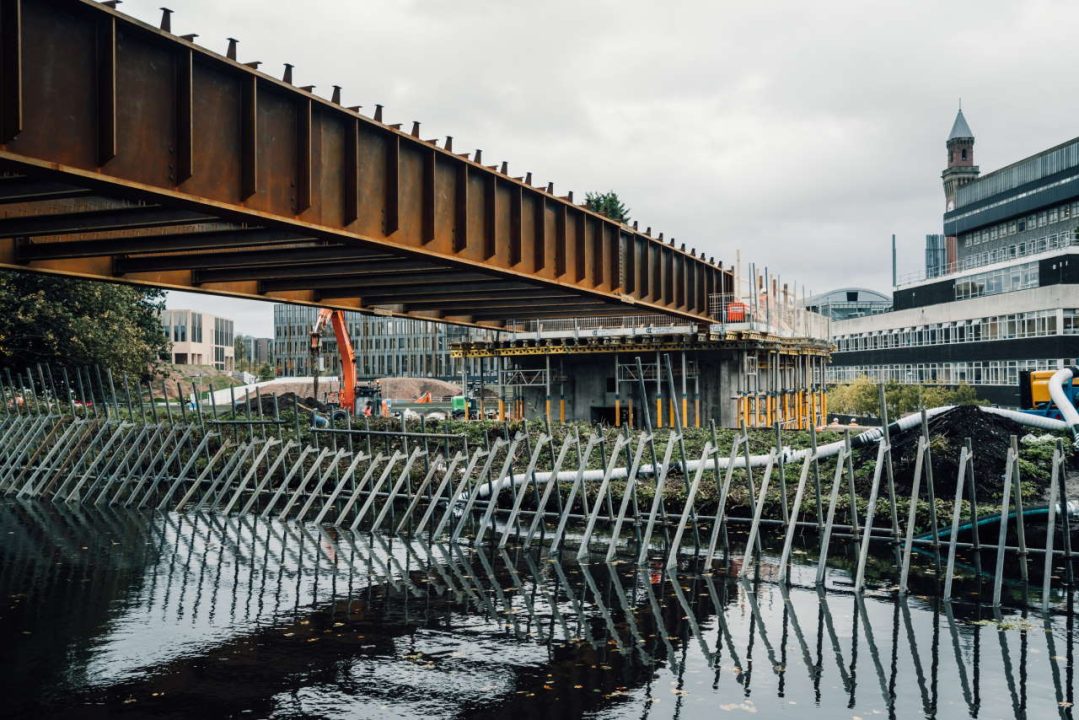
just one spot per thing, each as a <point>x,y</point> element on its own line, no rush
<point>861,397</point>
<point>56,320</point>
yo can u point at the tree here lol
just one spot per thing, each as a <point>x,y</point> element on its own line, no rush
<point>607,204</point>
<point>239,350</point>
<point>53,319</point>
<point>860,397</point>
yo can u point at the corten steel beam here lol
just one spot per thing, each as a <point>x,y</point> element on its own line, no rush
<point>482,301</point>
<point>256,261</point>
<point>354,269</point>
<point>133,218</point>
<point>96,100</point>
<point>406,292</point>
<point>346,286</point>
<point>29,251</point>
<point>21,189</point>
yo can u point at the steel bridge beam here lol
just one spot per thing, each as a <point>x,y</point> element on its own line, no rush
<point>27,251</point>
<point>93,100</point>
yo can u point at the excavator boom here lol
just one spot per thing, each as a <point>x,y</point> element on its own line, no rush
<point>348,361</point>
<point>347,394</point>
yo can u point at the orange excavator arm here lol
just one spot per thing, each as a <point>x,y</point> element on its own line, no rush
<point>348,361</point>
<point>347,395</point>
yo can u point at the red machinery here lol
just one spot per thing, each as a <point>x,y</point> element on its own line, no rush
<point>347,394</point>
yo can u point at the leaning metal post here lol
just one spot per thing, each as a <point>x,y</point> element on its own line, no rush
<point>957,509</point>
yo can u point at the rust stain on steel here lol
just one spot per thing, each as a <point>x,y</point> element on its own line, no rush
<point>107,104</point>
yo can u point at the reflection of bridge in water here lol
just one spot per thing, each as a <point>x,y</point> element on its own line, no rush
<point>251,614</point>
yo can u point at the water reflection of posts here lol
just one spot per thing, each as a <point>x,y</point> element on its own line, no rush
<point>583,628</point>
<point>604,612</point>
<point>874,654</point>
<point>811,668</point>
<point>1006,657</point>
<point>826,614</point>
<point>724,633</point>
<point>750,593</point>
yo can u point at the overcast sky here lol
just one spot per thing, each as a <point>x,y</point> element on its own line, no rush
<point>802,133</point>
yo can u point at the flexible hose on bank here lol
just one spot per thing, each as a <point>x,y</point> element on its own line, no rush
<point>868,437</point>
<point>1063,401</point>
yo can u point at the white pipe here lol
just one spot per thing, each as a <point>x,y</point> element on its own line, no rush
<point>1062,401</point>
<point>873,435</point>
<point>1037,421</point>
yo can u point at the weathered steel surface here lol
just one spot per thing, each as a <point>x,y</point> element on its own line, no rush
<point>96,104</point>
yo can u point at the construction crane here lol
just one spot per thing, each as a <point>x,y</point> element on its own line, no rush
<point>347,393</point>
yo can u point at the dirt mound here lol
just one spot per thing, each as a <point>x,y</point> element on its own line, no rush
<point>286,402</point>
<point>990,437</point>
<point>408,389</point>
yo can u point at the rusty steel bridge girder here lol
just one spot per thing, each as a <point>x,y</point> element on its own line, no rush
<point>131,154</point>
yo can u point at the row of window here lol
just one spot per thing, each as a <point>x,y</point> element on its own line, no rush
<point>1025,171</point>
<point>223,332</point>
<point>981,186</point>
<point>994,282</point>
<point>989,372</point>
<point>1037,323</point>
<point>298,319</point>
<point>1023,248</point>
<point>1015,226</point>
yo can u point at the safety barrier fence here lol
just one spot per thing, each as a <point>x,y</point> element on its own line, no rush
<point>633,493</point>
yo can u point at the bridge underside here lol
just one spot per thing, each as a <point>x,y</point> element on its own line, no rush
<point>130,154</point>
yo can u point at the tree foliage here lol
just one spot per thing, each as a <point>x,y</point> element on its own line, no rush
<point>607,204</point>
<point>860,397</point>
<point>52,319</point>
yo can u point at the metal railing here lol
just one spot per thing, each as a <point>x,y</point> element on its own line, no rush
<point>1029,248</point>
<point>772,315</point>
<point>601,322</point>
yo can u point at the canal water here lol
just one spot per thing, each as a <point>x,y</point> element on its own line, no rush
<point>107,613</point>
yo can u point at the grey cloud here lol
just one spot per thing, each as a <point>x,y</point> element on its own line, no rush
<point>802,133</point>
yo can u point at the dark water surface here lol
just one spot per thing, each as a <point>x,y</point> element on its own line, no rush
<point>113,613</point>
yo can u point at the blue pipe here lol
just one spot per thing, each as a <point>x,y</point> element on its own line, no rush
<point>991,520</point>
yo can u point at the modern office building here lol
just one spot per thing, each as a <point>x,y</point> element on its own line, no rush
<point>255,351</point>
<point>385,346</point>
<point>846,303</point>
<point>198,338</point>
<point>936,255</point>
<point>1008,299</point>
